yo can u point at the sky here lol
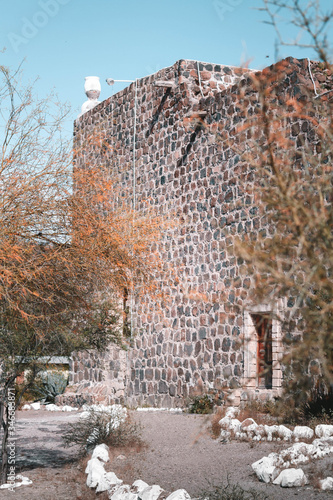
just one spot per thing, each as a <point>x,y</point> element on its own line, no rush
<point>62,41</point>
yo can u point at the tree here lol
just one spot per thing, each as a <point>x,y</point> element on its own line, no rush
<point>65,259</point>
<point>289,150</point>
<point>308,17</point>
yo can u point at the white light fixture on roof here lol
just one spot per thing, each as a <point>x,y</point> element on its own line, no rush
<point>92,88</point>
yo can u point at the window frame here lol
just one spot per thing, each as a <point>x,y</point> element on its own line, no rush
<point>251,373</point>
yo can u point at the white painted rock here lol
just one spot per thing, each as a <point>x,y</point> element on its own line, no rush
<point>326,484</point>
<point>303,432</point>
<point>24,480</point>
<point>179,495</point>
<point>251,429</point>
<point>52,407</point>
<point>259,431</point>
<point>122,493</point>
<point>19,481</point>
<point>270,430</point>
<point>265,469</point>
<point>103,484</point>
<point>84,414</point>
<point>95,471</point>
<point>225,436</point>
<point>234,425</point>
<point>151,493</point>
<point>225,422</point>
<point>322,447</point>
<point>231,412</point>
<point>147,408</point>
<point>112,479</point>
<point>289,478</point>
<point>297,453</point>
<point>138,486</point>
<point>108,481</point>
<point>285,433</point>
<point>69,408</point>
<point>324,430</point>
<point>248,422</point>
<point>26,407</point>
<point>35,406</point>
<point>101,451</point>
<point>297,449</point>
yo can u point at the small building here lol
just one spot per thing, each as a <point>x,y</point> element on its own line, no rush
<point>174,144</point>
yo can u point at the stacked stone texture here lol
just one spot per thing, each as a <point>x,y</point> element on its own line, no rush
<point>96,377</point>
<point>187,163</point>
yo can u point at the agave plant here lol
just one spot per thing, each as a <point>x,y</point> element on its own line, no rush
<point>50,385</point>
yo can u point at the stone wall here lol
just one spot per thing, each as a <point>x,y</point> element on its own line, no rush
<point>189,162</point>
<point>97,377</point>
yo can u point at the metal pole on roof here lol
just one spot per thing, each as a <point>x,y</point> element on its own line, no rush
<point>134,144</point>
<point>111,81</point>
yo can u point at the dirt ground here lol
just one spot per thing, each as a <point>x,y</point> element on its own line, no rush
<point>180,453</point>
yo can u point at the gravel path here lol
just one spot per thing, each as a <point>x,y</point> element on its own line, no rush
<point>180,453</point>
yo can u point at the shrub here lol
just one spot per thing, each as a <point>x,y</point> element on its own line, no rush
<point>204,403</point>
<point>215,426</point>
<point>201,404</point>
<point>95,427</point>
<point>227,491</point>
<point>49,385</point>
<point>319,410</point>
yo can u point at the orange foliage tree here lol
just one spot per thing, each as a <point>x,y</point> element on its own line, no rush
<point>292,258</point>
<point>66,254</point>
<point>286,149</point>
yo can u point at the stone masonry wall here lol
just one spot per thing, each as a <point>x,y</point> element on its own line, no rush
<point>193,343</point>
<point>97,377</point>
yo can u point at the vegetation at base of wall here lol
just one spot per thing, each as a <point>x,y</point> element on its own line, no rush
<point>102,427</point>
<point>256,410</point>
<point>204,403</point>
<point>45,387</point>
<point>49,385</point>
<point>201,404</point>
<point>318,409</point>
<point>228,491</point>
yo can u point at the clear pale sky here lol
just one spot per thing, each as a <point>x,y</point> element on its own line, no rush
<point>62,41</point>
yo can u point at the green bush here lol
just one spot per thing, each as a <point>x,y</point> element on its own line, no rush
<point>202,404</point>
<point>48,385</point>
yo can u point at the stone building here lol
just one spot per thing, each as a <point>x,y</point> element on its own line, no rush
<point>210,335</point>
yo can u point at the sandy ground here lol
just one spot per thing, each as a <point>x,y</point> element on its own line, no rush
<point>180,453</point>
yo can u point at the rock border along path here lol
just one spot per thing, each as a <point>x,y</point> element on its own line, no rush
<point>279,468</point>
<point>180,454</point>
